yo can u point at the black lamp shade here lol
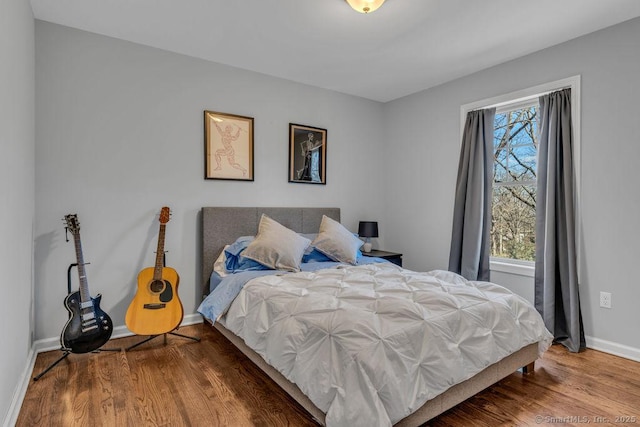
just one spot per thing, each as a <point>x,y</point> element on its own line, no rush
<point>368,229</point>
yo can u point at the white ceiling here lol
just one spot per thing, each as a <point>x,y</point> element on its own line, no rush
<point>404,47</point>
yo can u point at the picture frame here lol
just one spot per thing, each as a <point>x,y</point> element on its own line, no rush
<point>307,154</point>
<point>228,146</point>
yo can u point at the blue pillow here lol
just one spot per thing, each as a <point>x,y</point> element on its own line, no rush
<point>235,261</point>
<point>315,255</point>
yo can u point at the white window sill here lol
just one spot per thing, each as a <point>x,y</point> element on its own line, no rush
<point>512,266</point>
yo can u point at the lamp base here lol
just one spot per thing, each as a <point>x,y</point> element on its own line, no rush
<point>366,247</point>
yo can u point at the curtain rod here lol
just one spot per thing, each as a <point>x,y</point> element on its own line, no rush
<point>523,100</point>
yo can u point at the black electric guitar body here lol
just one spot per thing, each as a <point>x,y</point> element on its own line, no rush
<point>88,327</point>
<point>83,335</point>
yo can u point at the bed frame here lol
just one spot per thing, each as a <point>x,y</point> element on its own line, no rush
<point>222,225</point>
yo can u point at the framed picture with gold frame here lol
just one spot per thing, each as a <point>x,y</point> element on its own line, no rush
<point>228,146</point>
<point>307,154</point>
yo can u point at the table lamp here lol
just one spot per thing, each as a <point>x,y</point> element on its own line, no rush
<point>367,229</point>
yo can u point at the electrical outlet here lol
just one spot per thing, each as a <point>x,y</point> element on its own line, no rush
<point>605,299</point>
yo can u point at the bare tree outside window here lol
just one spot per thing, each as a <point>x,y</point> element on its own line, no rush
<point>513,220</point>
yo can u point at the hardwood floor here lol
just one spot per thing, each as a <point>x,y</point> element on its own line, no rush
<point>212,384</point>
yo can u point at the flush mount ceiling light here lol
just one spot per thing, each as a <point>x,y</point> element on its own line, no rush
<point>365,6</point>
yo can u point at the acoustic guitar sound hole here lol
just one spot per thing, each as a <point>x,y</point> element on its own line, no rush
<point>157,286</point>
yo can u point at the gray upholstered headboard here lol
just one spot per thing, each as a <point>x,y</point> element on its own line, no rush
<point>223,225</point>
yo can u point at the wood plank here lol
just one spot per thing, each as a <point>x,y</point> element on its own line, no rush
<point>185,383</point>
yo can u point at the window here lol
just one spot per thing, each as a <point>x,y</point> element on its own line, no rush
<point>515,175</point>
<point>515,153</point>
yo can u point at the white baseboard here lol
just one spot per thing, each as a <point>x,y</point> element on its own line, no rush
<point>49,344</point>
<point>21,391</point>
<point>616,349</point>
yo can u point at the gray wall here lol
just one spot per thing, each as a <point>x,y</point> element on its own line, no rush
<point>120,133</point>
<point>17,189</point>
<point>424,135</point>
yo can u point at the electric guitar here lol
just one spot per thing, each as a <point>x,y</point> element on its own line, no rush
<point>156,308</point>
<point>88,327</point>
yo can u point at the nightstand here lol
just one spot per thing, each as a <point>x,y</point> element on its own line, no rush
<point>393,257</point>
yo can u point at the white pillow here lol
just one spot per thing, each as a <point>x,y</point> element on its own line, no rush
<point>277,247</point>
<point>337,242</point>
<point>219,263</point>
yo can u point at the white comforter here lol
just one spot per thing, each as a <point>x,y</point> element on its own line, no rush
<point>371,344</point>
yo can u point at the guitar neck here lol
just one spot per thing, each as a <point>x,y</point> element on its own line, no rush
<point>157,272</point>
<point>82,275</point>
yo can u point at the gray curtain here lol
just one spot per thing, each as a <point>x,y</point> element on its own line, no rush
<point>556,275</point>
<point>470,244</point>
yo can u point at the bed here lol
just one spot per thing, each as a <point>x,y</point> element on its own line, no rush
<point>358,392</point>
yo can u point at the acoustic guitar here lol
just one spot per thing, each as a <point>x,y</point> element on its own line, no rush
<point>88,327</point>
<point>156,308</point>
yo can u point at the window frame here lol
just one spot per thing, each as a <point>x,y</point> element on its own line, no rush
<point>514,265</point>
<point>521,98</point>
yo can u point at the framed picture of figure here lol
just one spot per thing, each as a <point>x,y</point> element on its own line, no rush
<point>228,146</point>
<point>307,154</point>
